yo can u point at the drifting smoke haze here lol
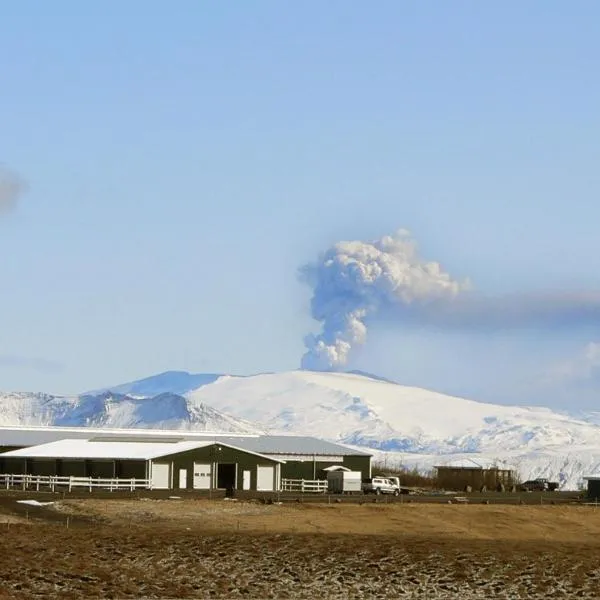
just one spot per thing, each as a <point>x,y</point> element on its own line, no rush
<point>356,282</point>
<point>11,188</point>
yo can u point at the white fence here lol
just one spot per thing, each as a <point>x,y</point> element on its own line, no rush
<point>317,486</point>
<point>51,481</point>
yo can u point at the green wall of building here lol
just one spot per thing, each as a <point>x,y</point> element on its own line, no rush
<point>244,461</point>
<point>74,467</point>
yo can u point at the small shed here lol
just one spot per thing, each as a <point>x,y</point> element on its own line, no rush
<point>167,464</point>
<point>465,473</point>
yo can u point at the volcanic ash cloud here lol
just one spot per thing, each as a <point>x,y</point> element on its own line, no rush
<point>353,282</point>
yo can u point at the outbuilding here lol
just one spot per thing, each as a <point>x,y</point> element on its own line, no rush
<point>300,457</point>
<point>469,473</point>
<point>164,463</point>
<point>593,487</point>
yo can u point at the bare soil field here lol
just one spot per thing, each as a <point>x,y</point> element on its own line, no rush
<point>186,548</point>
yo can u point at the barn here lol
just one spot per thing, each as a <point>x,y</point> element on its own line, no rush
<point>168,464</point>
<point>174,459</point>
<point>469,473</point>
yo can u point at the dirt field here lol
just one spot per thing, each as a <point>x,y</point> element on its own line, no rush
<point>148,548</point>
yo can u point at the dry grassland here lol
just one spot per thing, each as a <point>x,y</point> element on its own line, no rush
<point>487,522</point>
<point>225,549</point>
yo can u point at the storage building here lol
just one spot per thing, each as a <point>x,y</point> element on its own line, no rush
<point>468,473</point>
<point>189,465</point>
<point>96,452</point>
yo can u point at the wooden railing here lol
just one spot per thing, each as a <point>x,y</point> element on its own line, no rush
<point>316,486</point>
<point>36,482</point>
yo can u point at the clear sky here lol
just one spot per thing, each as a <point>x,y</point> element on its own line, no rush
<point>184,159</point>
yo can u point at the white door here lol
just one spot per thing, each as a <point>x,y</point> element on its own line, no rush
<point>161,476</point>
<point>246,480</point>
<point>201,476</point>
<point>182,479</point>
<point>264,479</point>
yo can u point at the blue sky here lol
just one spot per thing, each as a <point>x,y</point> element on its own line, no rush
<point>183,161</point>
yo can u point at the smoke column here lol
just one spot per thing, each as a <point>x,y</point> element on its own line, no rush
<point>353,281</point>
<point>11,187</point>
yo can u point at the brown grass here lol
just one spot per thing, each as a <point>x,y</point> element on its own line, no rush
<point>580,524</point>
<point>226,549</point>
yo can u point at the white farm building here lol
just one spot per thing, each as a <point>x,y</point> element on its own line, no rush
<point>182,460</point>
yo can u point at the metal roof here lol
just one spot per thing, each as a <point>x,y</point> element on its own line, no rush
<point>32,436</point>
<point>294,444</point>
<point>116,450</point>
<point>107,450</point>
<point>470,463</point>
<point>263,444</point>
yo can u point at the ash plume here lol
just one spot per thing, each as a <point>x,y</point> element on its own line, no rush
<point>11,188</point>
<point>353,281</point>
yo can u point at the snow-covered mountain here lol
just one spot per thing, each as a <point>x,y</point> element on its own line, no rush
<point>407,425</point>
<point>110,409</point>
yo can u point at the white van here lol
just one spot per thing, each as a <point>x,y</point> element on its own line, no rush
<point>379,485</point>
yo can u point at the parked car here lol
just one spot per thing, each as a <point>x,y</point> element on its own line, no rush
<point>380,485</point>
<point>539,485</point>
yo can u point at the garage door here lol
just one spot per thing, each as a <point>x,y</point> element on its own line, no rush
<point>264,479</point>
<point>201,476</point>
<point>161,479</point>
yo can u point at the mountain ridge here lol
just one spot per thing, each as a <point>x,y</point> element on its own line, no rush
<point>109,409</point>
<point>416,426</point>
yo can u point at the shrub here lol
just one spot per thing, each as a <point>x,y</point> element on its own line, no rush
<point>412,477</point>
